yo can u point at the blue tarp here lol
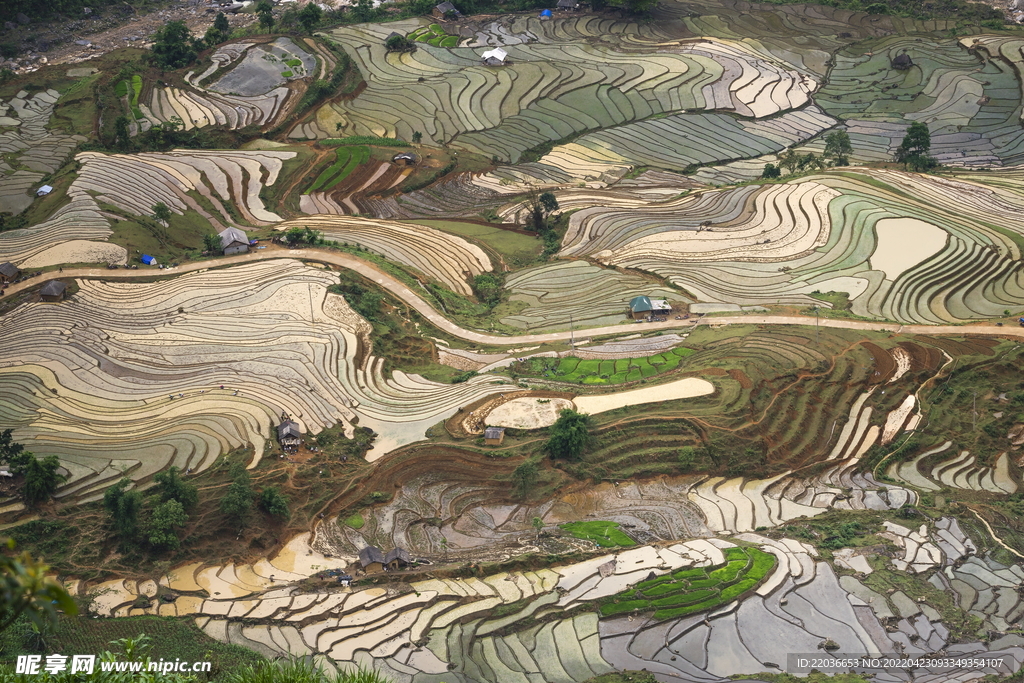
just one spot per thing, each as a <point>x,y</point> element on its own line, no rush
<point>148,260</point>
<point>546,13</point>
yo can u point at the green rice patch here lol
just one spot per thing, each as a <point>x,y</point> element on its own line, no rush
<point>287,74</point>
<point>450,41</point>
<point>121,89</point>
<point>346,159</point>
<point>293,62</point>
<point>690,591</point>
<point>604,534</point>
<point>355,521</point>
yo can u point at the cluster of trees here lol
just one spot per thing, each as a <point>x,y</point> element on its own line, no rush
<point>913,151</point>
<point>305,235</point>
<point>42,476</point>
<point>837,153</point>
<point>175,500</point>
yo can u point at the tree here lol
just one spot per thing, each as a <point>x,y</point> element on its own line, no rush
<point>161,212</point>
<point>789,160</point>
<point>488,288</point>
<point>122,133</point>
<point>12,452</point>
<point>570,435</point>
<point>638,7</point>
<point>238,500</point>
<point>538,524</point>
<point>838,148</point>
<point>310,16</point>
<point>173,47</point>
<point>771,171</point>
<point>363,10</point>
<point>417,137</point>
<point>42,480</point>
<point>265,13</point>
<point>167,518</point>
<point>219,32</point>
<point>913,151</point>
<point>274,503</point>
<point>540,207</point>
<point>124,507</point>
<point>525,476</point>
<point>173,487</point>
<point>26,588</point>
<point>211,242</point>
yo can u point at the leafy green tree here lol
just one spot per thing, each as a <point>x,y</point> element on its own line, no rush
<point>789,160</point>
<point>488,288</point>
<point>838,148</point>
<point>524,477</point>
<point>570,435</point>
<point>172,487</point>
<point>913,151</point>
<point>810,160</point>
<point>219,32</point>
<point>12,452</point>
<point>124,507</point>
<point>265,14</point>
<point>771,171</point>
<point>417,137</point>
<point>538,525</point>
<point>274,503</point>
<point>638,7</point>
<point>122,133</point>
<point>26,588</point>
<point>310,16</point>
<point>42,479</point>
<point>167,518</point>
<point>363,10</point>
<point>211,242</point>
<point>238,500</point>
<point>161,212</point>
<point>173,47</point>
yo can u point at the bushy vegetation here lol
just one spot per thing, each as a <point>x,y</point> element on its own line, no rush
<point>572,369</point>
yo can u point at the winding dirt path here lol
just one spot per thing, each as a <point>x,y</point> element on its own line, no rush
<point>411,298</point>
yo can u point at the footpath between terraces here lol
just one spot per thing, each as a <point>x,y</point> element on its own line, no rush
<point>411,298</point>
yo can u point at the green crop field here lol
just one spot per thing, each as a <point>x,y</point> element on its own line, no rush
<point>514,246</point>
<point>689,591</point>
<point>605,534</point>
<point>346,159</point>
<point>608,371</point>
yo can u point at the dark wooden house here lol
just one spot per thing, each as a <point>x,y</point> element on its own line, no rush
<point>54,290</point>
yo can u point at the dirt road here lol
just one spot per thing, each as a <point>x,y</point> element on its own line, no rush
<point>412,299</point>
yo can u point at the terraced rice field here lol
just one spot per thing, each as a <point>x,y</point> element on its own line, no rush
<point>778,243</point>
<point>447,258</point>
<point>616,371</point>
<point>592,295</point>
<point>446,93</point>
<point>136,369</point>
<point>26,139</point>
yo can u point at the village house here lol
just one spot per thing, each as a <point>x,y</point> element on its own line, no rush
<point>397,558</point>
<point>371,559</point>
<point>9,272</point>
<point>234,241</point>
<point>493,436</point>
<point>446,10</point>
<point>641,307</point>
<point>289,434</point>
<point>568,5</point>
<point>54,290</point>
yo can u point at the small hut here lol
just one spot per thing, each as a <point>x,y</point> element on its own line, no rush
<point>446,10</point>
<point>54,290</point>
<point>568,5</point>
<point>493,436</point>
<point>9,272</point>
<point>902,62</point>
<point>371,559</point>
<point>234,241</point>
<point>44,190</point>
<point>495,57</point>
<point>405,159</point>
<point>397,558</point>
<point>289,434</point>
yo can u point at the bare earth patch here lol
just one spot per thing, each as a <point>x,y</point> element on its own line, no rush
<point>683,388</point>
<point>527,413</point>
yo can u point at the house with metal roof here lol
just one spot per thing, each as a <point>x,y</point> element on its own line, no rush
<point>233,241</point>
<point>9,272</point>
<point>495,57</point>
<point>289,434</point>
<point>54,290</point>
<point>371,559</point>
<point>493,436</point>
<point>641,307</point>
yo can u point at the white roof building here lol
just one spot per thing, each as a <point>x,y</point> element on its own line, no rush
<point>494,57</point>
<point>44,190</point>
